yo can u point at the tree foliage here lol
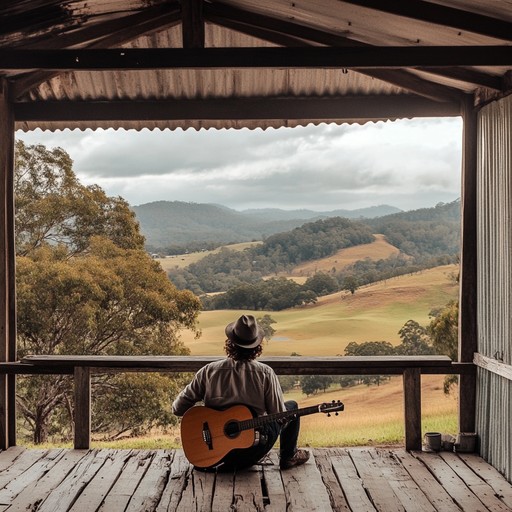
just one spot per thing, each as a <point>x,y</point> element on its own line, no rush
<point>85,285</point>
<point>444,333</point>
<point>415,340</point>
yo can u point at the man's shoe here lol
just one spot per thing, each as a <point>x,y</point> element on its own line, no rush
<point>300,457</point>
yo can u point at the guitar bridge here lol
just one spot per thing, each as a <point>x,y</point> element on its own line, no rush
<point>207,436</point>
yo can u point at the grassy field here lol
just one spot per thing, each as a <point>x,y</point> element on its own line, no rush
<point>184,260</point>
<point>374,313</point>
<point>377,250</point>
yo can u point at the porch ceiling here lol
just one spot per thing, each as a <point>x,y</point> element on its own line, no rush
<point>379,71</point>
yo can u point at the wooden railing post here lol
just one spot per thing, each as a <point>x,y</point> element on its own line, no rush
<point>82,407</point>
<point>412,408</point>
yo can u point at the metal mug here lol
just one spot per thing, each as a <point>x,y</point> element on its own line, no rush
<point>432,441</point>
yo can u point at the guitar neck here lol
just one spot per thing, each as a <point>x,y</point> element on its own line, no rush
<point>264,420</point>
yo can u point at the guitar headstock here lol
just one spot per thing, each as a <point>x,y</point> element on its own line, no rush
<point>334,406</point>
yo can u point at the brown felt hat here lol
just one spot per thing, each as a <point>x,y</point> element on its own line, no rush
<point>245,332</point>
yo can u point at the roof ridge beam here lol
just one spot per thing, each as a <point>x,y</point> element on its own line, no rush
<point>375,57</point>
<point>437,14</point>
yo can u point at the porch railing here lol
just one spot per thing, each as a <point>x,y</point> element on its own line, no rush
<point>82,367</point>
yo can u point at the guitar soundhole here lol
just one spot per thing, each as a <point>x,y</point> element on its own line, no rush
<point>231,429</point>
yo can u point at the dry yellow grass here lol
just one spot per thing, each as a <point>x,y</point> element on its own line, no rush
<point>184,260</point>
<point>377,250</point>
<point>375,415</point>
<point>373,313</point>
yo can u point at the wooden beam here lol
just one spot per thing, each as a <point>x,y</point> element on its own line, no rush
<point>412,408</point>
<point>493,365</point>
<point>192,27</point>
<point>437,14</point>
<point>246,21</point>
<point>212,58</point>
<point>107,33</point>
<point>7,269</point>
<point>289,34</point>
<point>104,35</point>
<point>82,418</point>
<point>468,328</point>
<point>336,109</point>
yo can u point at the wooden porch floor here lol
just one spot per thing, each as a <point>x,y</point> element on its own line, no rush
<point>339,479</point>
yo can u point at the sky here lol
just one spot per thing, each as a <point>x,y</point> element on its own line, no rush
<point>408,164</point>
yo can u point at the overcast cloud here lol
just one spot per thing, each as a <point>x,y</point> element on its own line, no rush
<point>408,164</point>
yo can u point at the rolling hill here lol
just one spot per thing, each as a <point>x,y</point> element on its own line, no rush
<point>374,313</point>
<point>177,223</point>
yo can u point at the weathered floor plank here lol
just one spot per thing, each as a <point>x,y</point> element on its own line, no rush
<point>374,481</point>
<point>433,490</point>
<point>37,492</point>
<point>276,496</point>
<point>149,491</point>
<point>500,486</point>
<point>453,484</point>
<point>304,489</point>
<point>97,489</point>
<point>334,479</point>
<point>480,488</point>
<point>332,485</point>
<point>350,481</point>
<point>408,492</point>
<point>125,486</point>
<point>67,492</point>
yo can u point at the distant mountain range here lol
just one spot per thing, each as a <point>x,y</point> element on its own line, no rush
<point>175,223</point>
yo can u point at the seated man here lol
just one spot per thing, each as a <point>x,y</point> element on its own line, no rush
<point>240,379</point>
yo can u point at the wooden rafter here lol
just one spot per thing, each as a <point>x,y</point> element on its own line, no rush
<point>345,107</point>
<point>112,31</point>
<point>292,34</point>
<point>442,15</point>
<point>104,35</point>
<point>192,23</point>
<point>389,57</point>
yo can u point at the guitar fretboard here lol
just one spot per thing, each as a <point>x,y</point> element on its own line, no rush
<point>264,420</point>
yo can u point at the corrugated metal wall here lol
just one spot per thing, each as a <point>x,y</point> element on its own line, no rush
<point>494,393</point>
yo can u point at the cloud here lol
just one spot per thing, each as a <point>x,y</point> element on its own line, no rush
<point>408,163</point>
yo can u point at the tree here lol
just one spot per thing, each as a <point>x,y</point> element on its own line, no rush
<point>311,384</point>
<point>80,292</point>
<point>370,348</point>
<point>265,322</point>
<point>415,340</point>
<point>444,332</point>
<point>350,283</point>
<point>321,283</point>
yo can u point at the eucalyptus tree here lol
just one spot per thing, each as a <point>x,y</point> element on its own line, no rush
<point>85,285</point>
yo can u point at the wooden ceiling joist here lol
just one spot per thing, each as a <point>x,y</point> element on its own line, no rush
<point>388,57</point>
<point>346,107</point>
<point>192,23</point>
<point>442,15</point>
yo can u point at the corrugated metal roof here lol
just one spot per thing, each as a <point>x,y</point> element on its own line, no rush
<point>42,27</point>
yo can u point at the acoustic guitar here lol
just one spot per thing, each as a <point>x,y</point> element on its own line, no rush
<point>208,435</point>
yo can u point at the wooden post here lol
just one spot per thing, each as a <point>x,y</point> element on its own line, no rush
<point>412,408</point>
<point>7,269</point>
<point>82,407</point>
<point>468,333</point>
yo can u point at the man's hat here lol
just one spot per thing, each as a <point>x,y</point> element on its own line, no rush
<point>245,332</point>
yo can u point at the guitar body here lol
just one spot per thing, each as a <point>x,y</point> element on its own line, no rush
<point>206,437</point>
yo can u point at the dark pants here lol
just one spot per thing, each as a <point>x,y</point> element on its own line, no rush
<point>288,435</point>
